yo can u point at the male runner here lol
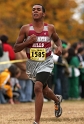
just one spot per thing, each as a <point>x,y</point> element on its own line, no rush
<point>36,38</point>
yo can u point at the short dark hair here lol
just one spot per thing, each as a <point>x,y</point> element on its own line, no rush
<point>43,9</point>
<point>74,45</point>
<point>81,49</point>
<point>13,70</point>
<point>4,38</point>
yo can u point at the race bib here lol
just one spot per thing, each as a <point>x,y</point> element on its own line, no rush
<point>38,54</point>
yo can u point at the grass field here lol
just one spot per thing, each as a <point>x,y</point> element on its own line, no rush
<point>23,113</point>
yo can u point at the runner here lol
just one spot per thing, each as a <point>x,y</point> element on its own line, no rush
<point>36,38</point>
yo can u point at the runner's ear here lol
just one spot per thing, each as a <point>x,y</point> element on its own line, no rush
<point>43,14</point>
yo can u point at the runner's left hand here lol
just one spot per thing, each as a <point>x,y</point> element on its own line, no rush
<point>58,51</point>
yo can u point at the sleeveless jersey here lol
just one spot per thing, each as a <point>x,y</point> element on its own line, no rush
<point>39,53</point>
<point>42,45</point>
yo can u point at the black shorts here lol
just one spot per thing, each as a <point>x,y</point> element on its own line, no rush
<point>43,77</point>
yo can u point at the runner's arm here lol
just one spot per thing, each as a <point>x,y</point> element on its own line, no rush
<point>20,44</point>
<point>57,41</point>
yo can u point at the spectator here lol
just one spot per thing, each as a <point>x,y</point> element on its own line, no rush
<point>58,76</point>
<point>3,58</point>
<point>16,86</point>
<point>74,75</point>
<point>5,83</point>
<point>2,99</point>
<point>65,74</point>
<point>81,77</point>
<point>1,49</point>
<point>25,83</point>
<point>7,47</point>
<point>76,46</point>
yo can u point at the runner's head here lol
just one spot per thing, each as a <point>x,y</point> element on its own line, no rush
<point>38,11</point>
<point>43,9</point>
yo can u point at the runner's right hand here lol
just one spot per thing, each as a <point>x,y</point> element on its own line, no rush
<point>32,39</point>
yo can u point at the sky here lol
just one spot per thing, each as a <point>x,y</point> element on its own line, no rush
<point>78,10</point>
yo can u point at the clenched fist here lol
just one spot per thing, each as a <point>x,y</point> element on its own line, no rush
<point>58,51</point>
<point>32,39</point>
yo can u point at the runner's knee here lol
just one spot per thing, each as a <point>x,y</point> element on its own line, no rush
<point>38,87</point>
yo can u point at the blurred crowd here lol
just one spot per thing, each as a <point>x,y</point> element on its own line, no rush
<point>67,78</point>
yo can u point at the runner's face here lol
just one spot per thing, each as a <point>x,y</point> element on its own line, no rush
<point>37,12</point>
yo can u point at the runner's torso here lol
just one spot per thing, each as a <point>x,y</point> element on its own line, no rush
<point>41,49</point>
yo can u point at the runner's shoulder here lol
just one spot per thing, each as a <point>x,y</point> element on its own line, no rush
<point>25,26</point>
<point>51,27</point>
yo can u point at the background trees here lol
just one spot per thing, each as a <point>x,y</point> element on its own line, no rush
<point>15,13</point>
